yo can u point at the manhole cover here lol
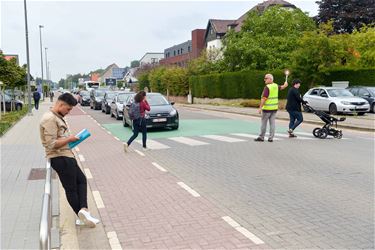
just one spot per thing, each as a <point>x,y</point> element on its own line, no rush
<point>39,174</point>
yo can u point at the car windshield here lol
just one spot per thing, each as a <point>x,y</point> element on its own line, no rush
<point>110,95</point>
<point>99,93</point>
<point>339,92</point>
<point>157,100</point>
<point>122,97</point>
<point>372,90</point>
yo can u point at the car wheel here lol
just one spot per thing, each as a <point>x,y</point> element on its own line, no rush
<point>108,110</point>
<point>373,108</point>
<point>124,122</point>
<point>117,116</point>
<point>91,107</point>
<point>361,113</point>
<point>18,107</point>
<point>333,109</point>
<point>112,115</point>
<point>175,127</point>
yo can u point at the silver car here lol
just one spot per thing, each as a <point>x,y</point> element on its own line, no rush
<point>117,104</point>
<point>336,100</point>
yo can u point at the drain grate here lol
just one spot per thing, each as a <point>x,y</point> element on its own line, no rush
<point>39,174</point>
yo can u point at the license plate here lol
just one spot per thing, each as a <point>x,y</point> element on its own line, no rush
<point>160,120</point>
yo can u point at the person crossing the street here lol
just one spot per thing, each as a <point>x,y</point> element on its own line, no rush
<point>268,107</point>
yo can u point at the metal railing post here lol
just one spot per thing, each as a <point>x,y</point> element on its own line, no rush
<point>46,217</point>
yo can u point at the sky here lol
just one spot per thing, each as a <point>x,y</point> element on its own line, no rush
<point>87,35</point>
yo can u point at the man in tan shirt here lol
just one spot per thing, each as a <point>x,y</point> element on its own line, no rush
<point>55,137</point>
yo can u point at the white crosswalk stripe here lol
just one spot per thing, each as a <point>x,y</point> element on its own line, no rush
<point>188,141</point>
<point>154,145</point>
<point>251,136</point>
<point>298,137</point>
<point>222,138</point>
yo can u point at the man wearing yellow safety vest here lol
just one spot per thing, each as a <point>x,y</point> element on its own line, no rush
<point>269,105</point>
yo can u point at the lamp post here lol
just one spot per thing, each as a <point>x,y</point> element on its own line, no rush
<point>28,58</point>
<point>41,53</point>
<point>47,77</point>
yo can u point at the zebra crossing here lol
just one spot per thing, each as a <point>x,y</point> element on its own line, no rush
<point>230,138</point>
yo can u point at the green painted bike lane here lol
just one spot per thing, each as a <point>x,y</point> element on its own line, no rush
<point>194,127</point>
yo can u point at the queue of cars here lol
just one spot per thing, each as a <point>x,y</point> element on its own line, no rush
<point>117,104</point>
<point>353,100</point>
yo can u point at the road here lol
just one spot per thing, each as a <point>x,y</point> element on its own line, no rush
<point>292,193</point>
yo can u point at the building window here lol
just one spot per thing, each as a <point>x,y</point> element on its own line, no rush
<point>174,52</point>
<point>189,49</point>
<point>182,50</point>
<point>211,31</point>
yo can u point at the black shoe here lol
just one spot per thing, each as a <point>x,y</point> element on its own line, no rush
<point>291,135</point>
<point>258,139</point>
<point>270,140</point>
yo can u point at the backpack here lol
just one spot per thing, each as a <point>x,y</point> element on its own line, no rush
<point>135,111</point>
<point>36,95</point>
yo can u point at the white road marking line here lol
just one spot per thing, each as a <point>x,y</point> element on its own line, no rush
<point>222,138</point>
<point>159,167</point>
<point>117,138</point>
<point>98,199</point>
<point>154,145</point>
<point>251,136</point>
<point>77,148</point>
<point>81,158</point>
<point>139,152</point>
<point>109,132</point>
<point>113,240</point>
<point>242,230</point>
<point>298,137</point>
<point>188,141</point>
<point>189,189</point>
<point>88,173</point>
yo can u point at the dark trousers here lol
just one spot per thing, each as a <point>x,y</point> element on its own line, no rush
<point>296,119</point>
<point>36,102</point>
<point>139,125</point>
<point>73,181</point>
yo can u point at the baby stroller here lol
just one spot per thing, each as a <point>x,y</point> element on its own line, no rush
<point>329,121</point>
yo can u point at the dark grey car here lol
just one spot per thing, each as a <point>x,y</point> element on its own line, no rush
<point>367,93</point>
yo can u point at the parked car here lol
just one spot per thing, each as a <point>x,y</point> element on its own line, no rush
<point>336,100</point>
<point>84,98</point>
<point>117,104</point>
<point>367,93</point>
<point>18,104</point>
<point>107,100</point>
<point>96,97</point>
<point>161,115</point>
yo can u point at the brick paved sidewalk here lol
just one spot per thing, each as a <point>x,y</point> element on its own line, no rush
<point>144,207</point>
<point>366,123</point>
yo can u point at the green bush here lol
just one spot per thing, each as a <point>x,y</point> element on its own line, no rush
<point>354,76</point>
<point>11,118</point>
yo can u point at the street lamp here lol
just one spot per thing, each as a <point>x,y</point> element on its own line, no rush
<point>41,53</point>
<point>28,58</point>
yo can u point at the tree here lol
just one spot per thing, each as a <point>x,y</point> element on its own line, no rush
<point>266,40</point>
<point>176,81</point>
<point>347,15</point>
<point>155,78</point>
<point>134,64</point>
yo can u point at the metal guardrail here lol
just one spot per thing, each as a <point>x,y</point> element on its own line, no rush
<point>46,217</point>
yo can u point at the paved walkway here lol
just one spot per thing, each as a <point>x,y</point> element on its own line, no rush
<point>142,206</point>
<point>21,196</point>
<point>366,122</point>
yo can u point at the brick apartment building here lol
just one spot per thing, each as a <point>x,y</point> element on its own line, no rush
<point>182,53</point>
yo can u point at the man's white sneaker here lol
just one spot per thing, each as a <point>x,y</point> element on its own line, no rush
<point>87,218</point>
<point>126,148</point>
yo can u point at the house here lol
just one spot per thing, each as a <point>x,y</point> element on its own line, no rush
<point>182,53</point>
<point>151,58</point>
<point>216,28</point>
<point>108,72</point>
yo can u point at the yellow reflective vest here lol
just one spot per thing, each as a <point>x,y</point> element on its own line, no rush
<point>272,102</point>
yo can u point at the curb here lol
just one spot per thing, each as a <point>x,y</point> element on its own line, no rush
<point>282,118</point>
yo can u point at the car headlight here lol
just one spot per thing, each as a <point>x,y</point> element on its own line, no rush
<point>173,112</point>
<point>345,102</point>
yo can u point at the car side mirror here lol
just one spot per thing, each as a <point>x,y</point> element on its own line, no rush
<point>172,103</point>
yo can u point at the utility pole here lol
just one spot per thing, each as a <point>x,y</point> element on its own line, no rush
<point>28,58</point>
<point>41,54</point>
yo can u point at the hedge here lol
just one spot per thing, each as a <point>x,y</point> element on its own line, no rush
<point>365,77</point>
<point>250,84</point>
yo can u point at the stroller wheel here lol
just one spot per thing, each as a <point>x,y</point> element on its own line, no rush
<point>316,132</point>
<point>338,135</point>
<point>323,133</point>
